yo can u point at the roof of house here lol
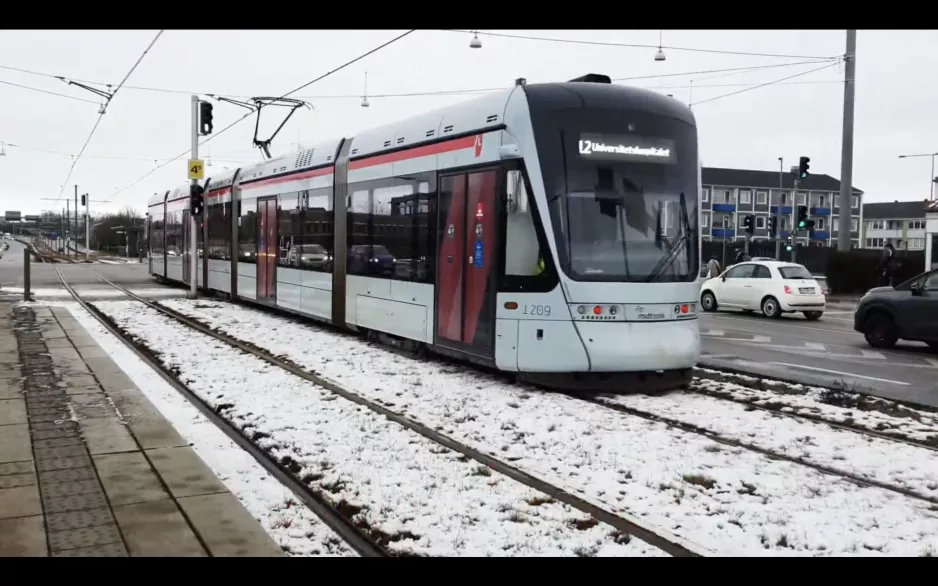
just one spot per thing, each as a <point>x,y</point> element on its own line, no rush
<point>894,210</point>
<point>769,180</point>
<point>932,207</point>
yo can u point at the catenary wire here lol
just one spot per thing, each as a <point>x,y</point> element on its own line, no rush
<point>101,115</point>
<point>633,45</point>
<point>762,85</point>
<point>215,135</point>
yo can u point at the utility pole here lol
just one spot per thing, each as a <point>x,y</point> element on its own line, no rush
<point>794,218</point>
<point>193,222</point>
<point>87,198</point>
<point>846,156</point>
<point>68,225</point>
<point>778,213</point>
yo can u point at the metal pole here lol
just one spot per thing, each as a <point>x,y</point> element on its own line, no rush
<point>76,221</point>
<point>68,224</point>
<point>846,156</point>
<point>778,213</point>
<point>26,274</point>
<point>794,220</point>
<point>193,244</point>
<point>931,195</point>
<point>87,225</point>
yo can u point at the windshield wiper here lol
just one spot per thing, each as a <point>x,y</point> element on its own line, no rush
<point>683,242</point>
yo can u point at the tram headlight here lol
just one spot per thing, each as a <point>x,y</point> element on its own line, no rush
<point>581,310</point>
<point>613,310</point>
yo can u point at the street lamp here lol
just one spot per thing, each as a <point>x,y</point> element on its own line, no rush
<point>931,187</point>
<point>659,56</point>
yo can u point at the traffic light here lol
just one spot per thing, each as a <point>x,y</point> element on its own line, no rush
<point>749,223</point>
<point>205,118</point>
<point>802,217</point>
<point>196,199</point>
<point>773,226</point>
<point>809,225</point>
<point>803,167</point>
<point>82,200</point>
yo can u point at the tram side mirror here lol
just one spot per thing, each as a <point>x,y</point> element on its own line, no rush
<point>517,193</point>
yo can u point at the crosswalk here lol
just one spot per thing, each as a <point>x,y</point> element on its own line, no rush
<point>808,348</point>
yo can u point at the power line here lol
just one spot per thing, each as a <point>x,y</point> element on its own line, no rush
<point>436,92</point>
<point>634,45</point>
<point>35,89</point>
<point>215,135</point>
<point>762,85</point>
<point>101,116</point>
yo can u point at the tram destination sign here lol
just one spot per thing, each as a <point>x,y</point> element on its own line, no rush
<point>627,147</point>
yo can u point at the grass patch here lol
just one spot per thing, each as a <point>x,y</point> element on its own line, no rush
<point>700,480</point>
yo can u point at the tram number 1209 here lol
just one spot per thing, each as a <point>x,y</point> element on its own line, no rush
<point>537,310</point>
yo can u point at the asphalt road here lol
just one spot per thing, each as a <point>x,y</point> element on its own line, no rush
<point>824,353</point>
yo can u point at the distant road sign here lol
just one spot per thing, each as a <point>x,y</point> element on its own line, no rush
<point>12,216</point>
<point>196,169</point>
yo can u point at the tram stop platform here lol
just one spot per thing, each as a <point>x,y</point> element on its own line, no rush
<point>89,467</point>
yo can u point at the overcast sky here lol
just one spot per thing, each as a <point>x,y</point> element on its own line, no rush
<point>895,112</point>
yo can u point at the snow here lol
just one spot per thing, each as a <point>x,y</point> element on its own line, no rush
<point>431,500</point>
<point>909,423</point>
<point>908,467</point>
<point>291,524</point>
<point>729,499</point>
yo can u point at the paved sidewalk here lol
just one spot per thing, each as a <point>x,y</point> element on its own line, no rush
<point>89,467</point>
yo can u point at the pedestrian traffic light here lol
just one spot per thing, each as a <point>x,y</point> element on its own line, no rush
<point>773,226</point>
<point>749,223</point>
<point>802,217</point>
<point>809,225</point>
<point>803,167</point>
<point>205,118</point>
<point>196,199</point>
<point>83,200</point>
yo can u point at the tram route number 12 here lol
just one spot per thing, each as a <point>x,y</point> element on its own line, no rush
<point>537,310</point>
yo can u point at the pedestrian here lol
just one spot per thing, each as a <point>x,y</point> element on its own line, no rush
<point>887,266</point>
<point>713,267</point>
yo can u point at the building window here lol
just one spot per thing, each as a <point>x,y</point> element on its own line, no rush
<point>728,196</point>
<point>894,225</point>
<point>802,198</point>
<point>745,196</point>
<point>762,198</point>
<point>820,224</point>
<point>779,198</point>
<point>760,222</point>
<point>705,195</point>
<point>821,200</point>
<point>916,224</point>
<point>855,201</point>
<point>854,225</point>
<point>876,225</point>
<point>704,220</point>
<point>837,202</point>
<point>785,222</point>
<point>874,242</point>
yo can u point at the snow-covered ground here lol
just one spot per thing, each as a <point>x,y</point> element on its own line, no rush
<point>289,522</point>
<point>881,415</point>
<point>426,499</point>
<point>732,500</point>
<point>911,468</point>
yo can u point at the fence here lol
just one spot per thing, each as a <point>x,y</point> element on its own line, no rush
<point>848,272</point>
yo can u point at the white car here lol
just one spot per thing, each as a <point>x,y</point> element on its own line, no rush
<point>770,286</point>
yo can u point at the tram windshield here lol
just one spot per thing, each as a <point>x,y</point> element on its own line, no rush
<point>625,207</point>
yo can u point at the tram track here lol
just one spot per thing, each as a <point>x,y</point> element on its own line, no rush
<point>561,495</point>
<point>330,515</point>
<point>671,544</point>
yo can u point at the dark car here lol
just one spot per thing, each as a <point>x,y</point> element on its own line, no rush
<point>908,311</point>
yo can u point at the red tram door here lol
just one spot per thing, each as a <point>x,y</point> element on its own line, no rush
<point>268,247</point>
<point>466,262</point>
<point>186,248</point>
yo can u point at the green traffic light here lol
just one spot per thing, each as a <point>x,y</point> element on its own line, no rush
<point>788,247</point>
<point>801,224</point>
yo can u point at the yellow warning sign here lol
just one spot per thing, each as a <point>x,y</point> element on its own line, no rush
<point>196,169</point>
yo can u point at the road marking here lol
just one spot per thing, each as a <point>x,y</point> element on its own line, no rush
<point>871,354</point>
<point>761,339</point>
<point>849,374</point>
<point>932,361</point>
<point>714,333</point>
<point>829,311</point>
<point>814,346</point>
<point>782,323</point>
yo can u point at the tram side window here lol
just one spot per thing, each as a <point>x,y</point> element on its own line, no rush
<point>425,230</point>
<point>289,227</point>
<point>174,233</point>
<point>527,263</point>
<point>392,221</point>
<point>219,230</point>
<point>156,234</point>
<point>358,226</point>
<point>312,231</point>
<point>247,231</point>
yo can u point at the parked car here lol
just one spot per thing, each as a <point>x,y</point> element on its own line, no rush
<point>770,286</point>
<point>908,311</point>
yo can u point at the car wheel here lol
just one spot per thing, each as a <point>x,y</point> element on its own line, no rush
<point>813,315</point>
<point>881,331</point>
<point>708,301</point>
<point>770,307</point>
